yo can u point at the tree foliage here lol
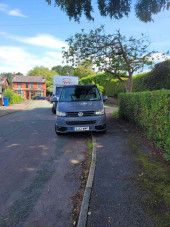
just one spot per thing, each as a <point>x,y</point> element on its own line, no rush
<point>116,9</point>
<point>84,69</point>
<point>42,71</point>
<point>114,54</point>
<point>63,70</point>
<point>146,8</point>
<point>19,74</point>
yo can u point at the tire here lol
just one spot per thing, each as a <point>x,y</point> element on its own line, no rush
<point>53,110</point>
<point>58,133</point>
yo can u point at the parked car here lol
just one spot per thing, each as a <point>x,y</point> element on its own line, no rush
<point>80,108</point>
<point>39,98</point>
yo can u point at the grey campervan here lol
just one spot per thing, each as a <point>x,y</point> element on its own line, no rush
<point>80,108</point>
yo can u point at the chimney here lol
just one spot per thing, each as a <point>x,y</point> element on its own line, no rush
<point>14,75</point>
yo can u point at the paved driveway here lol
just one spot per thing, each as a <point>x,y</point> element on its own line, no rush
<point>39,171</point>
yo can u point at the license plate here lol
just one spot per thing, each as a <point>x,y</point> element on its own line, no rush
<point>81,128</point>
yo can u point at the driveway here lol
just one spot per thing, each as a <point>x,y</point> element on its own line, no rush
<point>39,171</point>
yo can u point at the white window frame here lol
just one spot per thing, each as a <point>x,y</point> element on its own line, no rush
<point>38,86</point>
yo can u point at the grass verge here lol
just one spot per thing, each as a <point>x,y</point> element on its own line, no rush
<point>116,113</point>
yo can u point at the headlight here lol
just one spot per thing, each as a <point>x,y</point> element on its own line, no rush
<point>61,114</point>
<point>99,112</point>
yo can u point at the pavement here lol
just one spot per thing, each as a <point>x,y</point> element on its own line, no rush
<point>5,110</point>
<point>125,189</point>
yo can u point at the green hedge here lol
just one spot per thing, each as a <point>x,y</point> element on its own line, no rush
<point>156,79</point>
<point>13,98</point>
<point>150,111</point>
<point>112,87</point>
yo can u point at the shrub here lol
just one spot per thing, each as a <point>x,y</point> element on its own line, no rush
<point>13,98</point>
<point>116,113</point>
<point>150,111</point>
<point>111,86</point>
<point>156,79</point>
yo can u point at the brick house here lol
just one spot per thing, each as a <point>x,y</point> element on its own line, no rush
<point>4,83</point>
<point>28,86</point>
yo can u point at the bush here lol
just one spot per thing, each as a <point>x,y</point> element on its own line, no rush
<point>111,86</point>
<point>116,113</point>
<point>150,111</point>
<point>156,79</point>
<point>13,98</point>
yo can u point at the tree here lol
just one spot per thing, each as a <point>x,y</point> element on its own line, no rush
<point>84,69</point>
<point>114,54</point>
<point>42,71</point>
<point>63,70</point>
<point>19,74</point>
<point>145,8</point>
<point>112,8</point>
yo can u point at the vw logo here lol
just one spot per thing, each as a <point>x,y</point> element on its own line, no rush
<point>80,114</point>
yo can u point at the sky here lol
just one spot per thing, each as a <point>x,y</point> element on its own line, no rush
<point>32,33</point>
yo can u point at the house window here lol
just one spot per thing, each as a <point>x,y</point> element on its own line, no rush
<point>19,85</point>
<point>39,86</point>
<point>27,85</point>
<point>31,85</point>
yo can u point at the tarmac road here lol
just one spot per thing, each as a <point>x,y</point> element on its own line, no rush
<point>39,171</point>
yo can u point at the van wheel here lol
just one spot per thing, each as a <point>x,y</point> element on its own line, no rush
<point>53,110</point>
<point>58,133</point>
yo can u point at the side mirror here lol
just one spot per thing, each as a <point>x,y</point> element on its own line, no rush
<point>105,98</point>
<point>55,99</point>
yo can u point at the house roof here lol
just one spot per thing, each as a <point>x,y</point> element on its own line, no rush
<point>29,79</point>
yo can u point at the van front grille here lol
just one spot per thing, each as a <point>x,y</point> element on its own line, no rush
<point>85,113</point>
<point>80,122</point>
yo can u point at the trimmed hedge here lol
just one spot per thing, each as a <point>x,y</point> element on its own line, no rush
<point>150,111</point>
<point>13,98</point>
<point>112,87</point>
<point>156,79</point>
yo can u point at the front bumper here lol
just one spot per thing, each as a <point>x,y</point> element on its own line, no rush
<point>68,124</point>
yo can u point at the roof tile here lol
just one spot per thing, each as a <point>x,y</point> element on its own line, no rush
<point>29,79</point>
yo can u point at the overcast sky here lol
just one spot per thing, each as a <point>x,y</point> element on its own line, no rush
<point>32,33</point>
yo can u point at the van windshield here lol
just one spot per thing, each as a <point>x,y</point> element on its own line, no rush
<point>71,94</point>
<point>58,91</point>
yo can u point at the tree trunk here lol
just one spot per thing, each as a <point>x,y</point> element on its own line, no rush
<point>128,85</point>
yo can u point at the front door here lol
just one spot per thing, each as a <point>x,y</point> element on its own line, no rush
<point>27,94</point>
